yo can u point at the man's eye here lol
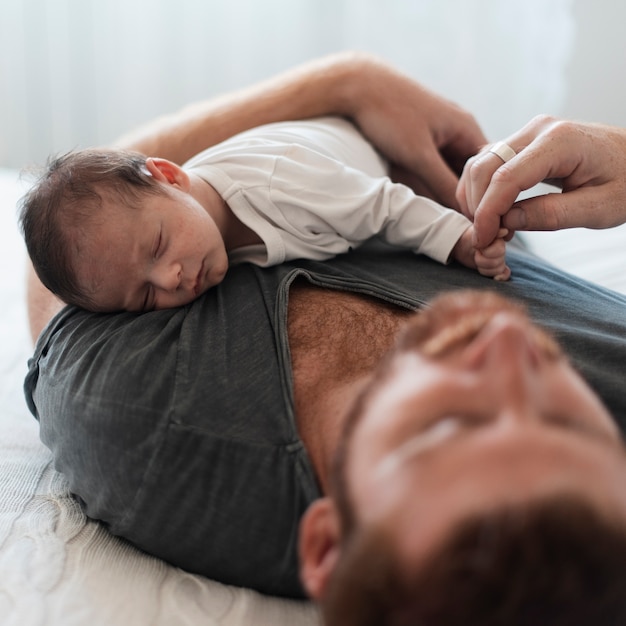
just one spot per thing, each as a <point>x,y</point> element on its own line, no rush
<point>453,422</point>
<point>444,426</point>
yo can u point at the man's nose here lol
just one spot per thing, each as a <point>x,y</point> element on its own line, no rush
<point>507,351</point>
<point>167,276</point>
<point>507,339</point>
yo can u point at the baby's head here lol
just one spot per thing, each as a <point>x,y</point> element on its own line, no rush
<point>67,203</point>
<point>111,230</point>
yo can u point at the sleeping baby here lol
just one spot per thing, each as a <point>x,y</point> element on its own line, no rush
<point>111,230</point>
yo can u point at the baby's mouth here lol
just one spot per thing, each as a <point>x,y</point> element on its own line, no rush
<point>198,282</point>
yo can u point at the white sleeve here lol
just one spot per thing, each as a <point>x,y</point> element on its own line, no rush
<point>416,222</point>
<point>330,206</point>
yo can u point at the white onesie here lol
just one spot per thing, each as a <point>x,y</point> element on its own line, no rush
<point>316,188</point>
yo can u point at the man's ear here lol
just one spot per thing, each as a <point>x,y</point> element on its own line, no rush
<point>319,546</point>
<point>168,172</point>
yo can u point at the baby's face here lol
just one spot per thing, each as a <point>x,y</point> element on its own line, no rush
<point>161,255</point>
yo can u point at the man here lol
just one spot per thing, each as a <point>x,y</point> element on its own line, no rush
<point>202,434</point>
<point>478,481</point>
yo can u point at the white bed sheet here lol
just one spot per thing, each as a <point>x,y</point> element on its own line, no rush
<point>58,568</point>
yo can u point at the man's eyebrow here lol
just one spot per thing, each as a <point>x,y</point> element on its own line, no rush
<point>421,442</point>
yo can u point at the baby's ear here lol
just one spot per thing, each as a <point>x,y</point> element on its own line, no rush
<point>168,172</point>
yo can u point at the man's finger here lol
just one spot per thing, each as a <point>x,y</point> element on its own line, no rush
<point>552,211</point>
<point>530,167</point>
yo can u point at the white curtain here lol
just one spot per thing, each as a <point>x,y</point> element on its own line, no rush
<point>81,72</point>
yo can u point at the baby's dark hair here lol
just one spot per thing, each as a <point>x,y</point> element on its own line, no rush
<point>67,196</point>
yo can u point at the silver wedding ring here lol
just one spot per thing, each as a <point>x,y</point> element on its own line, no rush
<point>503,150</point>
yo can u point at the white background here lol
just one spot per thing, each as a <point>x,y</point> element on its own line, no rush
<point>82,72</point>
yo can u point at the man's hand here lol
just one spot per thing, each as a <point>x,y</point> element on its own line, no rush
<point>417,130</point>
<point>588,162</point>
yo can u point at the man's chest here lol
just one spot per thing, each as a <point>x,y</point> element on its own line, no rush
<point>338,334</point>
<point>335,340</point>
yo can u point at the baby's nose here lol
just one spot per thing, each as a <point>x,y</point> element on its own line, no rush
<point>168,277</point>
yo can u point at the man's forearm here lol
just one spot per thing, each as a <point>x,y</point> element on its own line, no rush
<point>323,87</point>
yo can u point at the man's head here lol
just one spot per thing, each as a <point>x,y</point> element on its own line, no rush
<point>474,441</point>
<point>112,230</point>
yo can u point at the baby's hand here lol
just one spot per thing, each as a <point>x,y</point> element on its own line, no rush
<point>489,261</point>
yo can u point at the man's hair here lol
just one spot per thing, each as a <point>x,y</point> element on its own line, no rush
<point>552,563</point>
<point>67,196</point>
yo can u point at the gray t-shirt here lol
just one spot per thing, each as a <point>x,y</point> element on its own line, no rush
<point>176,428</point>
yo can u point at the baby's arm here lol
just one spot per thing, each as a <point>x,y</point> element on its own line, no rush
<point>489,261</point>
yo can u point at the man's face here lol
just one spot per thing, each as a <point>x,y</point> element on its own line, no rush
<point>482,409</point>
<point>161,254</point>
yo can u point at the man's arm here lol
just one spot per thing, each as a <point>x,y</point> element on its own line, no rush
<point>326,86</point>
<point>412,126</point>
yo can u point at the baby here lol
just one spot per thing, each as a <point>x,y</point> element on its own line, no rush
<point>110,230</point>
